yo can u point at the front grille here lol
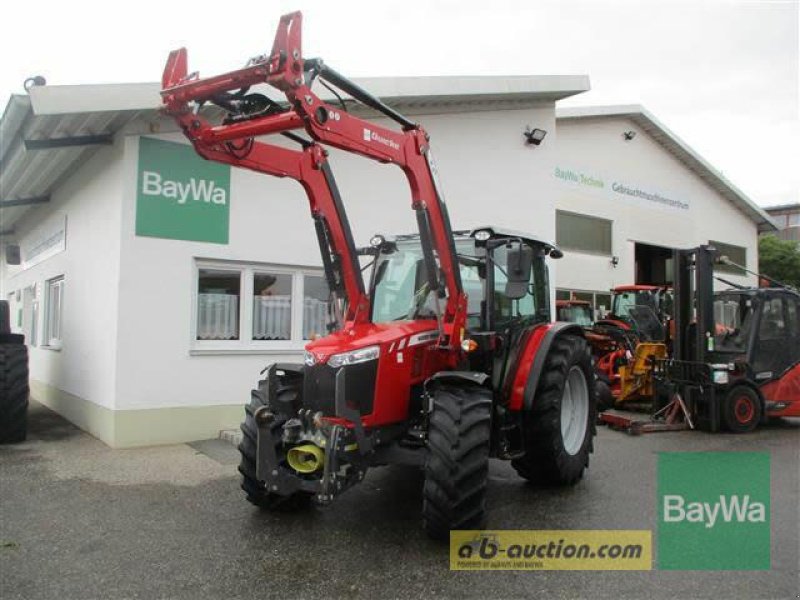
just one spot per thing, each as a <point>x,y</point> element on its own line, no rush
<point>319,387</point>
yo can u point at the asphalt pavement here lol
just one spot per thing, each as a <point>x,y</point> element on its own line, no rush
<point>80,520</point>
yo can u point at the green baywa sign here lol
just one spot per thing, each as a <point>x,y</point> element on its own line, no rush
<point>179,195</point>
<point>714,510</point>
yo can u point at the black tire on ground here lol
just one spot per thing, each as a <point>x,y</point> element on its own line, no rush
<point>605,399</point>
<point>5,317</point>
<point>13,392</point>
<point>548,459</point>
<point>286,391</point>
<point>457,465</point>
<point>741,409</point>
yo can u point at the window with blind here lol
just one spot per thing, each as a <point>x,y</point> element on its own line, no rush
<point>582,233</point>
<point>251,307</point>
<point>735,254</point>
<point>54,303</point>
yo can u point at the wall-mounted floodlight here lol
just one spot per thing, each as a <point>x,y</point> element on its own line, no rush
<point>614,261</point>
<point>534,136</point>
<point>36,80</point>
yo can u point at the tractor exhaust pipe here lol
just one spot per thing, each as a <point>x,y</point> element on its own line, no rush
<point>307,458</point>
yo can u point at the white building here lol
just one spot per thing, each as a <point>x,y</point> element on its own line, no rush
<point>150,307</point>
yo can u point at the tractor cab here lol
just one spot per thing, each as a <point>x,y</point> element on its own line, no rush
<point>509,265</point>
<point>575,311</point>
<point>503,274</point>
<point>628,297</point>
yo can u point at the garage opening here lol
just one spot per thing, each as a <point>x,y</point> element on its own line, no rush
<point>653,265</point>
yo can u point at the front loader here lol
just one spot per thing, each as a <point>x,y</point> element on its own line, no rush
<point>445,358</point>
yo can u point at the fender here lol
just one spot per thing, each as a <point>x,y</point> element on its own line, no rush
<point>471,377</point>
<point>531,363</point>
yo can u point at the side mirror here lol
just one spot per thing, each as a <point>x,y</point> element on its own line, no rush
<point>13,255</point>
<point>519,263</point>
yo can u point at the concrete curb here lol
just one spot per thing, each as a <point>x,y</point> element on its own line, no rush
<point>232,436</point>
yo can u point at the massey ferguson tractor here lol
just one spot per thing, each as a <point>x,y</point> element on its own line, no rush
<point>444,359</point>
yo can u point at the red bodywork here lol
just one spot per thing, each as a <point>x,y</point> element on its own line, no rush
<point>405,359</point>
<point>784,390</point>
<point>533,343</point>
<point>284,70</point>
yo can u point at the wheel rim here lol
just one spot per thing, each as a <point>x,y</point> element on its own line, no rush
<point>574,410</point>
<point>744,410</point>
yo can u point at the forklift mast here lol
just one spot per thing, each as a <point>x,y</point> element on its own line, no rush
<point>233,142</point>
<point>694,303</point>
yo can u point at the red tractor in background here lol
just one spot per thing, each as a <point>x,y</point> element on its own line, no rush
<point>627,342</point>
<point>575,311</point>
<point>445,359</point>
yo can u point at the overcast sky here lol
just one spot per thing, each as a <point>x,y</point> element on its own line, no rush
<point>722,75</point>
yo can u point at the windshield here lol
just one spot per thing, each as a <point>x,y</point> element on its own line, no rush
<point>575,314</point>
<point>624,301</point>
<point>733,319</point>
<point>401,284</point>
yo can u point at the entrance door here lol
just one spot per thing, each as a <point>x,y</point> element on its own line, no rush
<point>653,264</point>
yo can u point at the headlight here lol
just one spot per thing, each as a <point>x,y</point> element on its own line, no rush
<point>721,377</point>
<point>309,359</point>
<point>354,357</point>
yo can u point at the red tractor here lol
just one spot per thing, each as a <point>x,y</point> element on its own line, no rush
<point>445,359</point>
<point>627,341</point>
<point>575,311</point>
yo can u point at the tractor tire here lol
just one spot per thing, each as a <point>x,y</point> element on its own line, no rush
<point>560,428</point>
<point>741,409</point>
<point>457,465</point>
<point>605,399</point>
<point>256,491</point>
<point>5,317</point>
<point>13,392</point>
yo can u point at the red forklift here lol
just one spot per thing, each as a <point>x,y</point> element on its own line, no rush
<point>445,358</point>
<point>736,353</point>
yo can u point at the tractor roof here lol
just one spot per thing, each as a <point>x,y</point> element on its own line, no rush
<point>639,288</point>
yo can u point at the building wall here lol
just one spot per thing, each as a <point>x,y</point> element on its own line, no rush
<point>593,150</point>
<point>83,371</point>
<point>489,176</point>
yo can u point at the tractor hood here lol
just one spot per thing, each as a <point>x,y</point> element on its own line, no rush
<point>388,336</point>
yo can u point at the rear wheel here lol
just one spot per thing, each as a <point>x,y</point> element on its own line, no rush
<point>287,392</point>
<point>13,392</point>
<point>741,411</point>
<point>457,467</point>
<point>560,428</point>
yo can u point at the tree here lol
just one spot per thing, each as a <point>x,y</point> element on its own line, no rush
<point>779,259</point>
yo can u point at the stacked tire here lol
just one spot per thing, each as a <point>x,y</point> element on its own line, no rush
<point>13,382</point>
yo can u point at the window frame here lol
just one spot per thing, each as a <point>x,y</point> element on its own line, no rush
<point>48,341</point>
<point>246,344</point>
<point>723,268</point>
<point>567,246</point>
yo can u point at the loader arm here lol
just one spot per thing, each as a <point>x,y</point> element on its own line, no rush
<point>310,168</point>
<point>286,70</point>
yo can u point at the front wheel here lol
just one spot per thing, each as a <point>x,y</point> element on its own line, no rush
<point>559,429</point>
<point>256,492</point>
<point>741,410</point>
<point>457,466</point>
